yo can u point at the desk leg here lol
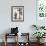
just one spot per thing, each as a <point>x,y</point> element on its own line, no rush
<point>5,40</point>
<point>17,40</point>
<point>5,43</point>
<point>28,44</point>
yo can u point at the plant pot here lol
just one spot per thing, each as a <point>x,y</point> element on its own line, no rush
<point>40,41</point>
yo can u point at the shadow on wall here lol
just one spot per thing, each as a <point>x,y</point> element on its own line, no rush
<point>7,31</point>
<point>32,30</point>
<point>3,33</point>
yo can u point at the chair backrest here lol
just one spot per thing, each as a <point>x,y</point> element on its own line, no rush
<point>14,30</point>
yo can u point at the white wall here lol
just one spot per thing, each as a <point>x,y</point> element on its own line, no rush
<point>29,15</point>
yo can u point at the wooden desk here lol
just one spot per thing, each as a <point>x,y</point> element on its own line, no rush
<point>8,34</point>
<point>22,34</point>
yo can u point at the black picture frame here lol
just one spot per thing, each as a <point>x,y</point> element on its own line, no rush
<point>17,13</point>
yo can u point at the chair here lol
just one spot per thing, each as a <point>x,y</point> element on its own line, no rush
<point>7,35</point>
<point>24,36</point>
<point>14,32</point>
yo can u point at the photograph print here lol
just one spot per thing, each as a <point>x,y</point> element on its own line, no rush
<point>17,13</point>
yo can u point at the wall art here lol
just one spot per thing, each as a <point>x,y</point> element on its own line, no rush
<point>17,13</point>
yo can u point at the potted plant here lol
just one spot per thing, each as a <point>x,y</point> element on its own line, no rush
<point>42,27</point>
<point>35,26</point>
<point>39,35</point>
<point>38,27</point>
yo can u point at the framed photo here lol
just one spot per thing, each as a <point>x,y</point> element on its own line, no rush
<point>17,13</point>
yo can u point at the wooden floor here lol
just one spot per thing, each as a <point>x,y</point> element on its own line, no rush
<point>13,44</point>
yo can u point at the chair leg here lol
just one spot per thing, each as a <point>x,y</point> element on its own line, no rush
<point>5,40</point>
<point>5,44</point>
